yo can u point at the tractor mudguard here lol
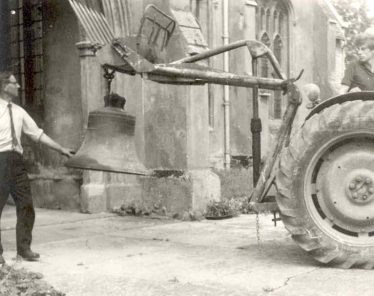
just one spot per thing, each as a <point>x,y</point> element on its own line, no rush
<point>363,96</point>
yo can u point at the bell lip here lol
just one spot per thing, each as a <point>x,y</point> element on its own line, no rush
<point>112,111</point>
<point>144,172</point>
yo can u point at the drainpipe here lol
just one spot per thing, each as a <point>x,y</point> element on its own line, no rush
<point>226,93</point>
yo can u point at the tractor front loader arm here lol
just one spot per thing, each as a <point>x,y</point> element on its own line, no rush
<point>256,49</point>
<point>186,71</point>
<point>133,55</point>
<point>267,174</point>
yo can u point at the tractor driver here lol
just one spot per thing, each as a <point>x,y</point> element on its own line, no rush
<point>359,74</point>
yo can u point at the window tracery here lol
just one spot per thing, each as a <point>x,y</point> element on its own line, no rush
<point>273,30</point>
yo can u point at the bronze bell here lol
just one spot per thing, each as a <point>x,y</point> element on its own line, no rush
<point>108,144</point>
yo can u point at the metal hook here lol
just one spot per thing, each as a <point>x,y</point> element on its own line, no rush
<point>109,76</point>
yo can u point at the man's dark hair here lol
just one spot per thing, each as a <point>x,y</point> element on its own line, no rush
<point>4,78</point>
<point>365,39</point>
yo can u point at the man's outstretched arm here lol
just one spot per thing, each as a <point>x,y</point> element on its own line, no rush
<point>46,140</point>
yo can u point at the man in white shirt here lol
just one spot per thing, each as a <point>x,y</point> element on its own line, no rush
<point>14,121</point>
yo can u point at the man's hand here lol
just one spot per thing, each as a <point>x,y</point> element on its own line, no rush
<point>67,152</point>
<point>343,89</point>
<point>355,89</point>
<point>46,140</point>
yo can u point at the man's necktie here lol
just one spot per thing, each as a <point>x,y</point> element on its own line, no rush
<point>13,131</point>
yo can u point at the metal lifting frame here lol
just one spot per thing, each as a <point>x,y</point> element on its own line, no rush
<point>185,72</point>
<point>125,58</point>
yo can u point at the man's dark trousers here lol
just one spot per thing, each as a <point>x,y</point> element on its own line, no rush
<point>14,181</point>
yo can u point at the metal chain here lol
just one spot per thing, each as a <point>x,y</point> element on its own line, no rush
<point>258,234</point>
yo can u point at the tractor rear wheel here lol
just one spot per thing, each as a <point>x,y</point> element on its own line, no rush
<point>326,185</point>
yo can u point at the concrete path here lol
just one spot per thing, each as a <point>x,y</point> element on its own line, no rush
<point>107,254</point>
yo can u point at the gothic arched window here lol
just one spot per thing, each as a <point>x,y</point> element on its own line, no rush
<point>277,48</point>
<point>275,21</point>
<point>268,20</point>
<point>280,23</point>
<point>264,63</point>
<point>26,50</point>
<point>273,31</point>
<point>263,19</point>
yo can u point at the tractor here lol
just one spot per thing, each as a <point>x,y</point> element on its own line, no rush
<point>323,174</point>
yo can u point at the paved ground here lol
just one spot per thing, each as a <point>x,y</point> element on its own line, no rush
<point>111,255</point>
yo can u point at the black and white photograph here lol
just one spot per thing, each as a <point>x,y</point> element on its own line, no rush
<point>186,147</point>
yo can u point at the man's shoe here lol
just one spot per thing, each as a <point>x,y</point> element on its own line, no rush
<point>2,260</point>
<point>29,255</point>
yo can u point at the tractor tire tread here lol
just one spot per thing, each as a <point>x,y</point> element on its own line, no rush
<point>295,218</point>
